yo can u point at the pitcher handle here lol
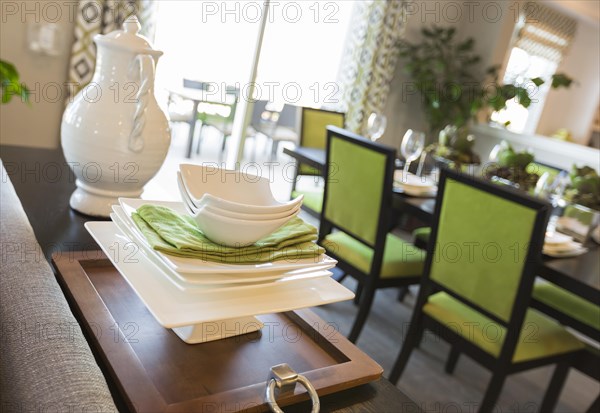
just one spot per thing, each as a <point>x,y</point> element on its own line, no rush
<point>142,70</point>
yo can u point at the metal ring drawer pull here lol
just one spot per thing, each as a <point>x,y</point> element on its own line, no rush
<point>284,378</point>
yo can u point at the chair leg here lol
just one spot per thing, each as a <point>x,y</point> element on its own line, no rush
<point>595,407</point>
<point>274,147</point>
<point>358,293</point>
<point>555,387</point>
<point>452,360</point>
<point>224,143</point>
<point>199,139</point>
<point>412,339</point>
<point>493,392</point>
<point>402,293</point>
<point>363,311</point>
<point>294,182</point>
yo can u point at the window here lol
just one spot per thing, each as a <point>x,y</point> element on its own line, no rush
<point>214,42</point>
<point>542,37</point>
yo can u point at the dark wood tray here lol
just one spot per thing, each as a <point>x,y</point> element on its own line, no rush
<point>155,371</point>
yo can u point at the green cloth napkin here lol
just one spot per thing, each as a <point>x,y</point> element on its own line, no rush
<point>174,234</point>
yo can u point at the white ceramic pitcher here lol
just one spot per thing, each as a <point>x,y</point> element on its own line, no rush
<point>114,135</point>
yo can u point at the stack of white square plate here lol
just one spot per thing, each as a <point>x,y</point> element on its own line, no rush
<point>202,300</point>
<point>562,246</point>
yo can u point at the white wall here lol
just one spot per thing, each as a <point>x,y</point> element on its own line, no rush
<point>575,108</point>
<point>37,124</point>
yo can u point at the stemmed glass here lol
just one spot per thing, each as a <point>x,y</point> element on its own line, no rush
<point>413,143</point>
<point>376,125</point>
<point>552,188</point>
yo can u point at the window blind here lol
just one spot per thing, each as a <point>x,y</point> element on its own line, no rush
<point>545,32</point>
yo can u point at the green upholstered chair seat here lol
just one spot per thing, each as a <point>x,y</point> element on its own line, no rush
<point>540,336</point>
<point>567,303</point>
<point>304,169</point>
<point>400,258</point>
<point>421,235</point>
<point>313,199</point>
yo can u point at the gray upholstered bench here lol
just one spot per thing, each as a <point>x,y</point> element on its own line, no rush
<point>45,362</point>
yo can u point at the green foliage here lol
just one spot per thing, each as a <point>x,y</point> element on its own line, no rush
<point>456,145</point>
<point>512,166</point>
<point>445,72</point>
<point>10,83</point>
<point>584,187</point>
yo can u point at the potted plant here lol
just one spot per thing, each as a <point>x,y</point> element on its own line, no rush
<point>10,84</point>
<point>453,90</point>
<point>510,167</point>
<point>584,187</point>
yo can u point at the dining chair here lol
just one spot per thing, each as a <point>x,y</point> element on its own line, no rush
<point>581,315</point>
<point>313,134</point>
<point>220,115</point>
<point>285,129</point>
<point>485,245</point>
<point>357,205</point>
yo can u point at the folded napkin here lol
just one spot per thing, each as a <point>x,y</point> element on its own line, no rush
<point>174,234</point>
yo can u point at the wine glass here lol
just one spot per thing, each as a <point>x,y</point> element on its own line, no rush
<point>413,143</point>
<point>552,188</point>
<point>376,125</point>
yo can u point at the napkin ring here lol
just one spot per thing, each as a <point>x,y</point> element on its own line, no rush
<point>284,378</point>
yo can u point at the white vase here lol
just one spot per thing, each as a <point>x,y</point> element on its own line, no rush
<point>114,135</point>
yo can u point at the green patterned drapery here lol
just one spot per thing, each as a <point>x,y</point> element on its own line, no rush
<point>101,17</point>
<point>369,59</point>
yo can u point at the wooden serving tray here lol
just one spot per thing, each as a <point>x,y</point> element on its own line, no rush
<point>153,370</point>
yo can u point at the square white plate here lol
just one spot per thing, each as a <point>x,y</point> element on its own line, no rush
<point>175,308</point>
<point>199,266</point>
<point>208,282</point>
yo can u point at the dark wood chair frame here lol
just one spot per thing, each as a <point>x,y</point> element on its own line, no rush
<point>502,365</point>
<point>312,212</point>
<point>586,362</point>
<point>368,283</point>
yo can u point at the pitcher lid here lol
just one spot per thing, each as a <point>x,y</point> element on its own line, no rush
<point>129,38</point>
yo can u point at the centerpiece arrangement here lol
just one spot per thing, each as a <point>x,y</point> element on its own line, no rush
<point>225,254</point>
<point>511,167</point>
<point>456,146</point>
<point>583,187</point>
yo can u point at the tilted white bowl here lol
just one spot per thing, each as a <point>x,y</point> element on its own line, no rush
<point>251,217</point>
<point>232,190</point>
<point>235,232</point>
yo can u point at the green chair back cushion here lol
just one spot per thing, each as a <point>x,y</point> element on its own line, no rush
<point>355,188</point>
<point>314,124</point>
<point>481,247</point>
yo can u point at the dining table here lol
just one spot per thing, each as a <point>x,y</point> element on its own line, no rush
<point>43,182</point>
<point>198,96</point>
<point>579,275</point>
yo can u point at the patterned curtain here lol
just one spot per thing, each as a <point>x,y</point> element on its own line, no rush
<point>369,59</point>
<point>545,32</point>
<point>101,17</point>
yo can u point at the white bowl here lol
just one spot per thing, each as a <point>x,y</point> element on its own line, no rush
<point>235,232</point>
<point>250,217</point>
<point>232,190</point>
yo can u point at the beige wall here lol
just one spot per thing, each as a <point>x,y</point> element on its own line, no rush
<point>37,124</point>
<point>575,108</point>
